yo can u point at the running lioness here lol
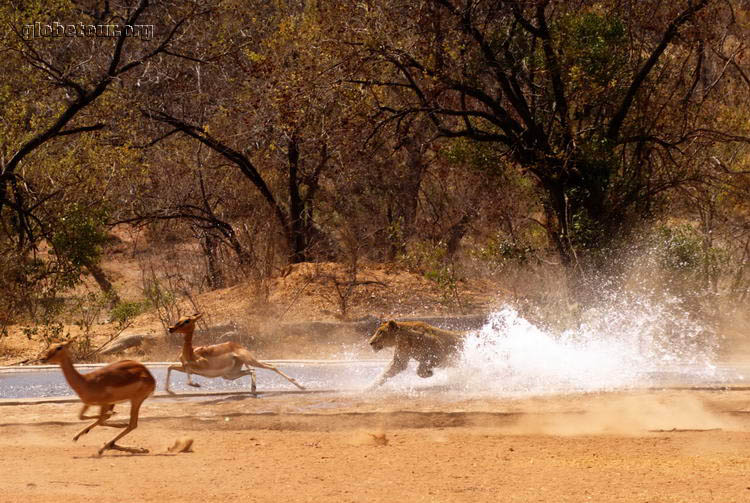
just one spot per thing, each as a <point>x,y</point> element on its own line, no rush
<point>430,346</point>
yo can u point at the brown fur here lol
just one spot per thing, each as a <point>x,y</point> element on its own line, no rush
<point>430,346</point>
<point>219,360</point>
<point>123,381</point>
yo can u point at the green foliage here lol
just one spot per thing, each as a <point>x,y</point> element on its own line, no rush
<point>680,249</point>
<point>395,231</point>
<point>595,42</point>
<point>501,251</point>
<point>159,295</point>
<point>124,312</point>
<point>687,256</point>
<point>80,235</point>
<point>447,277</point>
<point>432,261</point>
<point>49,332</point>
<point>586,233</point>
<point>29,286</point>
<point>422,257</point>
<point>479,156</point>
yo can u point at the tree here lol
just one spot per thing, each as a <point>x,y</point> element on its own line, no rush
<point>601,103</point>
<point>58,88</point>
<point>189,194</point>
<point>266,104</point>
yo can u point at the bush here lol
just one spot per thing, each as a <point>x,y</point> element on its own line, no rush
<point>124,312</point>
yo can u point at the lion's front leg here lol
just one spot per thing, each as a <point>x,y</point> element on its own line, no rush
<point>397,366</point>
<point>424,369</point>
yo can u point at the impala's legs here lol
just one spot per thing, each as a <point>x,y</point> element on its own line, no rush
<point>190,380</point>
<point>252,379</point>
<point>135,406</point>
<point>105,412</point>
<point>86,407</point>
<point>268,366</point>
<point>236,374</point>
<point>179,368</point>
<point>83,412</point>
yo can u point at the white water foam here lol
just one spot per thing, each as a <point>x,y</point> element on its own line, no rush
<point>632,343</point>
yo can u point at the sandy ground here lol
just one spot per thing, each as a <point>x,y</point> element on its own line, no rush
<point>649,446</point>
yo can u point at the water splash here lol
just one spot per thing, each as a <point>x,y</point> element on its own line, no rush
<point>630,343</point>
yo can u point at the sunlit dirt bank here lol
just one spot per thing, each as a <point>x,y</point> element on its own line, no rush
<point>635,446</point>
<point>609,411</point>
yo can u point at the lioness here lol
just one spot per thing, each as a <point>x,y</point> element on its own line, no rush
<point>430,346</point>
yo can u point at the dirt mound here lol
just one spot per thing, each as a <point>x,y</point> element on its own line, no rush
<point>272,317</point>
<point>329,290</point>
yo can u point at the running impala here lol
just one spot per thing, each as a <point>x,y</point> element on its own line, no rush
<point>123,381</point>
<point>219,360</point>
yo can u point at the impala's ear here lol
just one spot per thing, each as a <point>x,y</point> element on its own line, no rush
<point>197,316</point>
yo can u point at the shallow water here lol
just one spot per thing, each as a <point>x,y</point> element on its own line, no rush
<point>620,347</point>
<point>51,382</point>
<point>629,344</point>
<point>346,376</point>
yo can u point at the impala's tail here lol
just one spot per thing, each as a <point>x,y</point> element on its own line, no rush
<point>249,359</point>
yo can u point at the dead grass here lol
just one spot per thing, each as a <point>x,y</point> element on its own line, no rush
<point>302,292</point>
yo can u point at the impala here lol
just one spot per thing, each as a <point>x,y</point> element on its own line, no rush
<point>123,381</point>
<point>219,360</point>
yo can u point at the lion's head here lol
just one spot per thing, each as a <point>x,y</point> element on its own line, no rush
<point>384,336</point>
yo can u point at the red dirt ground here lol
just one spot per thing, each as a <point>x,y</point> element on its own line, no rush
<point>669,446</point>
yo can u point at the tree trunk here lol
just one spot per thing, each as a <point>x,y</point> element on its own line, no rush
<point>405,214</point>
<point>298,211</point>
<point>210,245</point>
<point>106,286</point>
<point>457,232</point>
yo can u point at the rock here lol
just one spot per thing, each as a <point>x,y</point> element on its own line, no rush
<point>124,342</point>
<point>379,439</point>
<point>184,444</point>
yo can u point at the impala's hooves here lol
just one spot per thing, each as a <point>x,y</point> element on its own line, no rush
<point>114,447</point>
<point>194,384</point>
<point>169,391</point>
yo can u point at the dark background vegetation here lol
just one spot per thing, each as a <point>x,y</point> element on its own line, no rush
<point>512,140</point>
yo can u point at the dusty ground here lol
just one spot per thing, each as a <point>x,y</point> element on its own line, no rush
<point>668,446</point>
<point>658,446</point>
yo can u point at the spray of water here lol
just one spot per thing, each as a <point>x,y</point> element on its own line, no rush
<point>631,342</point>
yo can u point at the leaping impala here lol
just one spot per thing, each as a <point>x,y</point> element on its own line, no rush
<point>219,360</point>
<point>123,381</point>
